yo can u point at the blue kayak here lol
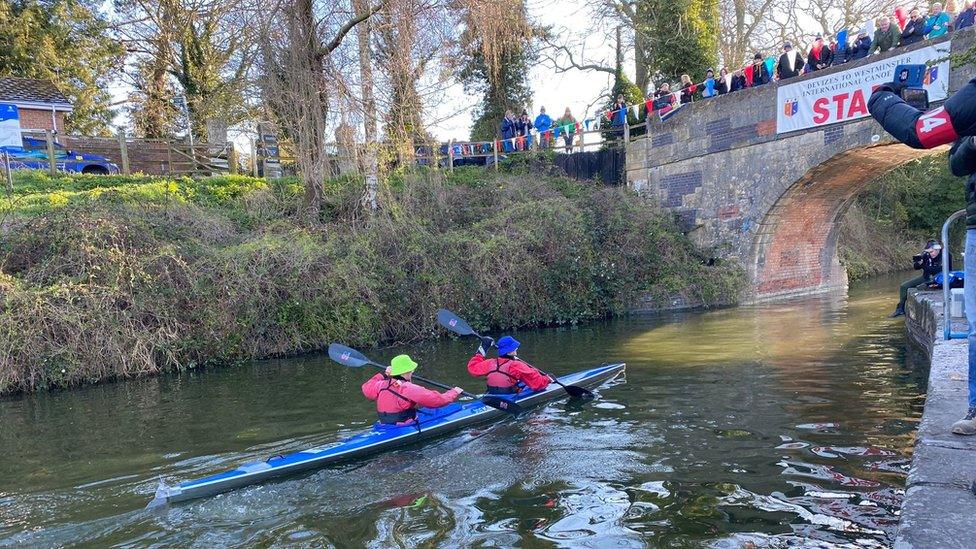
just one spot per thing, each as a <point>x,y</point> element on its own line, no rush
<point>431,423</point>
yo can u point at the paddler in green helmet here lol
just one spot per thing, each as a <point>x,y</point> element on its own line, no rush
<point>397,399</point>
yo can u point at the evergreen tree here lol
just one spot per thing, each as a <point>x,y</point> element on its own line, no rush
<point>684,37</point>
<point>507,89</point>
<point>496,53</point>
<point>65,41</point>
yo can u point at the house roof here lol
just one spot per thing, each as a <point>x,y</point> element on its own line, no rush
<point>32,92</point>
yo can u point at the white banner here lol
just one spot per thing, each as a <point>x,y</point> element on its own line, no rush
<point>843,96</point>
<point>9,126</point>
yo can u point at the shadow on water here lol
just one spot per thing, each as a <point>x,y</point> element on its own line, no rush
<point>775,424</point>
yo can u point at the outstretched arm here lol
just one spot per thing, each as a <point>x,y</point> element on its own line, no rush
<point>925,130</point>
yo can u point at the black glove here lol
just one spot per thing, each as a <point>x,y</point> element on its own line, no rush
<point>486,344</point>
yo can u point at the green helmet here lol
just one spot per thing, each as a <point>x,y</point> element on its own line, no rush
<point>402,364</point>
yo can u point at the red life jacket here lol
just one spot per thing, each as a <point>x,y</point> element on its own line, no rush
<point>500,382</point>
<point>392,407</point>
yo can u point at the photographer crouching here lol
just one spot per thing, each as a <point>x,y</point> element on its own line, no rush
<point>930,263</point>
<point>954,122</point>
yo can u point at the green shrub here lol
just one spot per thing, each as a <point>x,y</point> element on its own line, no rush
<point>119,277</point>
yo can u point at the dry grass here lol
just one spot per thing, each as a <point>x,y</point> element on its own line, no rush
<point>122,282</point>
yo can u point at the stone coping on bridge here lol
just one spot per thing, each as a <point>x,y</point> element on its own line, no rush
<point>940,505</point>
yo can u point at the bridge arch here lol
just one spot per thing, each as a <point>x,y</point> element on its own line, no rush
<point>770,201</point>
<point>794,247</point>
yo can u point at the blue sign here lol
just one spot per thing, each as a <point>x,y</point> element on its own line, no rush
<point>9,126</point>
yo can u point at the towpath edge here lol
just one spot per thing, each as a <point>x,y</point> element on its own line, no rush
<point>939,500</point>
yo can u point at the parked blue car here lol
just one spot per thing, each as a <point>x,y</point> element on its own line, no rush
<point>33,155</point>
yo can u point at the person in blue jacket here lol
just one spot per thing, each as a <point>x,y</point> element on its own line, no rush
<point>542,124</point>
<point>954,122</point>
<point>861,46</point>
<point>966,17</point>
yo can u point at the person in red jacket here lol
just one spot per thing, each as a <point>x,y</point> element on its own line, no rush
<point>397,399</point>
<point>503,374</point>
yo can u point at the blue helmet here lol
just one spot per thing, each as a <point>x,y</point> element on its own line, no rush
<point>507,345</point>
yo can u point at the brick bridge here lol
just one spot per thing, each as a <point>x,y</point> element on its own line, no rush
<point>771,201</point>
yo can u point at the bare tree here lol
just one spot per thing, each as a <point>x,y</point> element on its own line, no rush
<point>202,46</point>
<point>414,40</point>
<point>363,37</point>
<point>301,75</point>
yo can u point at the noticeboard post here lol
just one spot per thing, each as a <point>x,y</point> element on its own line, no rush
<point>268,153</point>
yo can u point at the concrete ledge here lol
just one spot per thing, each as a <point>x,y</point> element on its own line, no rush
<point>939,503</point>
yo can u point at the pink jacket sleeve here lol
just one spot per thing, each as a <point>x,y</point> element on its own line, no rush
<point>371,389</point>
<point>426,397</point>
<point>534,379</point>
<point>478,365</point>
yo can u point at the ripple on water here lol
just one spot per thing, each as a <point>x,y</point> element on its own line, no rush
<point>687,451</point>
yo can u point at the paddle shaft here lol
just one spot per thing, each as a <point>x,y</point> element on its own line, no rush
<point>430,382</point>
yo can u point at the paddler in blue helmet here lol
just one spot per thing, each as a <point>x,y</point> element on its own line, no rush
<point>397,399</point>
<point>506,374</point>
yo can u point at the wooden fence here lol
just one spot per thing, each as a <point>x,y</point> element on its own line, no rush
<point>133,155</point>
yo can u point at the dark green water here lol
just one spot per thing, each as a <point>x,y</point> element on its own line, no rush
<point>772,424</point>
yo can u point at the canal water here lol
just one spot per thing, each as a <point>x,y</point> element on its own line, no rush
<point>770,425</point>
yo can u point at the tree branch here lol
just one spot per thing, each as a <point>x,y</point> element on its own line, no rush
<point>350,24</point>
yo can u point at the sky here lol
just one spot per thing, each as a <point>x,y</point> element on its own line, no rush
<point>550,89</point>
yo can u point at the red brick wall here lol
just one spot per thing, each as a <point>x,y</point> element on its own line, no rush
<point>798,238</point>
<point>39,119</point>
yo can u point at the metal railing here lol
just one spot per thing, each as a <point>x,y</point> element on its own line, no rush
<point>946,291</point>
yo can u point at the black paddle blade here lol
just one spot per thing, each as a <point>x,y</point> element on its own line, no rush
<point>502,404</point>
<point>347,356</point>
<point>454,323</point>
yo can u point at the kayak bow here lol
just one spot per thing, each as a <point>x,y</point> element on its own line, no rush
<point>433,423</point>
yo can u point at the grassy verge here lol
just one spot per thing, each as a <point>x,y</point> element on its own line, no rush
<point>111,277</point>
<point>891,220</point>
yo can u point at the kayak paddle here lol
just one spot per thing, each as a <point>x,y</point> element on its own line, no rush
<point>457,325</point>
<point>347,356</point>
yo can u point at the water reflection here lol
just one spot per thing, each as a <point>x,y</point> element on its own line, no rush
<point>780,424</point>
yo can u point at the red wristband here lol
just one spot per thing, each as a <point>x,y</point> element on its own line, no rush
<point>934,128</point>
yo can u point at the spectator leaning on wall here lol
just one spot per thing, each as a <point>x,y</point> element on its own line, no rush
<point>709,84</point>
<point>688,89</point>
<point>967,17</point>
<point>738,81</point>
<point>819,57</point>
<point>861,46</point>
<point>724,83</point>
<point>937,23</point>
<point>914,30</point>
<point>760,74</point>
<point>790,63</point>
<point>886,37</point>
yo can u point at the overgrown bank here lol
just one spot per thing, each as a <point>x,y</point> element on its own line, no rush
<point>107,277</point>
<point>891,220</point>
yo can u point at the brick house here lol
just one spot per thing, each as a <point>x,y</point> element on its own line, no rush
<point>40,105</point>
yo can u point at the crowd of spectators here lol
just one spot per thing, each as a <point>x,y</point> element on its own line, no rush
<point>899,30</point>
